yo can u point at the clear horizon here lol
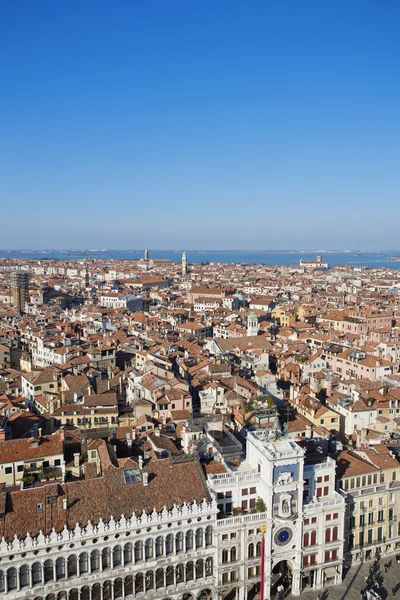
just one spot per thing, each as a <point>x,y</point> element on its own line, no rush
<point>204,125</point>
<point>203,250</point>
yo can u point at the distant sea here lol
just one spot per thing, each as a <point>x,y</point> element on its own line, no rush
<point>268,257</point>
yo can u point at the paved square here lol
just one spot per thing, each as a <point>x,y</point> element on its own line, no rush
<point>354,581</point>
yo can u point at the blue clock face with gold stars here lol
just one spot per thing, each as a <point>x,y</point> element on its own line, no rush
<point>283,536</point>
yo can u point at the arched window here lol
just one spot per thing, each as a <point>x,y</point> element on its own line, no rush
<point>74,594</point>
<point>50,597</point>
<point>118,591</point>
<point>128,586</point>
<point>199,569</point>
<point>199,538</point>
<point>139,583</point>
<point>106,558</point>
<point>138,551</point>
<point>2,582</point>
<point>258,549</point>
<point>170,575</point>
<point>85,593</point>
<point>159,578</point>
<point>36,573</point>
<point>335,533</point>
<point>117,556</point>
<point>179,541</point>
<point>63,596</point>
<point>209,567</point>
<point>12,579</point>
<point>149,580</point>
<point>327,535</point>
<point>72,568</point>
<point>179,573</point>
<point>250,551</point>
<point>48,571</point>
<point>169,544</point>
<point>60,568</point>
<point>306,539</point>
<point>159,546</point>
<point>313,538</point>
<point>209,536</point>
<point>189,571</point>
<point>127,553</point>
<point>225,556</point>
<point>148,549</point>
<point>83,563</point>
<point>23,576</point>
<point>95,561</point>
<point>233,554</point>
<point>189,540</point>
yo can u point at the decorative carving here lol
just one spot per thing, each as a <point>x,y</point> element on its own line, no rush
<point>17,545</point>
<point>284,478</point>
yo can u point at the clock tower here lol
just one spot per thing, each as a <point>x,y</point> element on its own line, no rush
<point>280,463</point>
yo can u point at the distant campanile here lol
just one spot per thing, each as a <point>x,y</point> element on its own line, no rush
<point>20,289</point>
<point>184,265</point>
<point>146,254</point>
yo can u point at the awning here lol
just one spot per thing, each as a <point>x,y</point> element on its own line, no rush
<point>330,572</point>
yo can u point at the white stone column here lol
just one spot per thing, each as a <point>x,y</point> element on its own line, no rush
<point>296,582</point>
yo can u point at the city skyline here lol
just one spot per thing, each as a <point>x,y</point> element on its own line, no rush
<point>205,125</point>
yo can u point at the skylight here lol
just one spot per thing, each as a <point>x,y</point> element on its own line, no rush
<point>132,475</point>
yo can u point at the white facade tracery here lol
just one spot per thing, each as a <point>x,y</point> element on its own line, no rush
<point>147,554</point>
<point>187,553</point>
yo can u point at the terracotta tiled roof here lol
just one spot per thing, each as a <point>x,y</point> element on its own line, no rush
<point>29,448</point>
<point>102,497</point>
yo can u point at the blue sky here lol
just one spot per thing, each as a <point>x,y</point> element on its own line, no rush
<point>199,124</point>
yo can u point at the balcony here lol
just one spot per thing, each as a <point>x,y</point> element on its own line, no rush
<point>34,475</point>
<point>244,519</point>
<point>331,502</point>
<point>367,545</point>
<point>223,479</point>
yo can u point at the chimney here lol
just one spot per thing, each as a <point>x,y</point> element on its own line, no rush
<point>157,433</point>
<point>89,390</point>
<point>140,462</point>
<point>76,459</point>
<point>164,420</point>
<point>145,479</point>
<point>65,504</point>
<point>128,440</point>
<point>40,432</point>
<point>84,447</point>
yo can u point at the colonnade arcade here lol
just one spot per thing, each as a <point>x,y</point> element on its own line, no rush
<point>118,589</point>
<point>141,582</point>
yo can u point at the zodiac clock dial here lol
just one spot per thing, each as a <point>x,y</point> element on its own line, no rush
<point>283,536</point>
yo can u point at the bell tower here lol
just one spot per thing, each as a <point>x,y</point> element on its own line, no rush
<point>252,324</point>
<point>184,264</point>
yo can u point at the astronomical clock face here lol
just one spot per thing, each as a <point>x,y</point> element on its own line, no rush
<point>283,536</point>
